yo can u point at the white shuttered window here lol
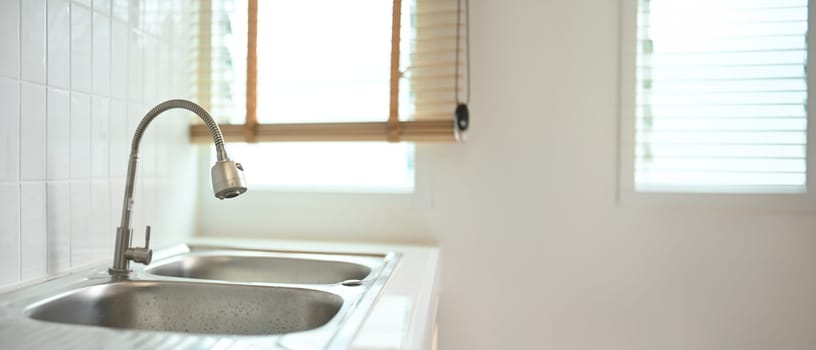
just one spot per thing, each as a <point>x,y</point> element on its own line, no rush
<point>721,96</point>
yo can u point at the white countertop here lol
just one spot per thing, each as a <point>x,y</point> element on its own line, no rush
<point>404,315</point>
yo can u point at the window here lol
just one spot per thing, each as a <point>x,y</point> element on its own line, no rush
<point>322,70</point>
<point>720,97</point>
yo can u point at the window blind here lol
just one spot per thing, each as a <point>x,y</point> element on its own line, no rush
<point>219,61</point>
<point>399,79</point>
<point>433,64</point>
<point>721,96</point>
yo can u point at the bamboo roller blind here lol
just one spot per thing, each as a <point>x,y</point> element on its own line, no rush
<point>428,58</point>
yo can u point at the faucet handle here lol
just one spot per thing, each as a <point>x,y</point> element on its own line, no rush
<point>141,255</point>
<point>147,237</point>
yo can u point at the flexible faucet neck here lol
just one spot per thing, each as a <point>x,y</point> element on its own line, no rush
<point>123,253</point>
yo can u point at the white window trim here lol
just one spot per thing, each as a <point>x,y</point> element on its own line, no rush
<point>284,197</point>
<point>628,197</point>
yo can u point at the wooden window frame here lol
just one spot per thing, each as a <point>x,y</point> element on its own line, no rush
<point>391,130</point>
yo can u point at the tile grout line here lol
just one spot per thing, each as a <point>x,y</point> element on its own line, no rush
<point>89,223</point>
<point>45,180</point>
<point>19,198</point>
<point>109,118</point>
<point>90,98</point>
<point>20,39</point>
<point>71,95</point>
<point>19,142</point>
<point>19,232</point>
<point>20,155</point>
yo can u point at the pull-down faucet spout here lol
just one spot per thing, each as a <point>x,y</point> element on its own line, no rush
<point>227,181</point>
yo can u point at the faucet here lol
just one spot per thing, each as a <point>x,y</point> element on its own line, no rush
<point>227,181</point>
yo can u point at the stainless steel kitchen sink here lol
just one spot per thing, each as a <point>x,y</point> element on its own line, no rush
<point>265,267</point>
<point>199,296</point>
<point>203,308</point>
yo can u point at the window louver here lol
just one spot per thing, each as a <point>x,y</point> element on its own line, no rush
<point>721,96</point>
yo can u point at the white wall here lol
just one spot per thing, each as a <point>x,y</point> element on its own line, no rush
<point>75,80</point>
<point>536,252</point>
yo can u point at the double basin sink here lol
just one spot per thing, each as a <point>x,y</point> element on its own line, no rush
<point>291,300</point>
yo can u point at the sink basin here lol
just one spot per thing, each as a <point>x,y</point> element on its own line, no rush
<point>198,295</point>
<point>261,268</point>
<point>202,308</point>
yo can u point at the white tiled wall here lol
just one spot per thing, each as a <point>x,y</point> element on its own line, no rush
<point>76,77</point>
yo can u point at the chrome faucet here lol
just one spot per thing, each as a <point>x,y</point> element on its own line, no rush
<point>227,181</point>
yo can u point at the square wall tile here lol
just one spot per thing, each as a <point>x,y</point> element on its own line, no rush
<point>151,16</point>
<point>151,70</point>
<point>59,135</point>
<point>162,142</point>
<point>81,21</point>
<point>10,38</point>
<point>138,216</point>
<point>59,43</point>
<point>163,69</point>
<point>32,132</point>
<point>10,130</point>
<point>151,200</point>
<point>80,136</point>
<point>117,192</point>
<point>179,86</point>
<point>103,6</point>
<point>119,141</point>
<point>119,60</point>
<point>101,54</point>
<point>102,231</point>
<point>135,11</point>
<point>32,231</point>
<point>164,215</point>
<point>9,234</point>
<point>81,251</point>
<point>100,136</point>
<point>33,41</point>
<point>136,55</point>
<point>58,227</point>
<point>119,9</point>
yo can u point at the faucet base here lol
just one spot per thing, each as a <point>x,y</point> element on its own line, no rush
<point>114,272</point>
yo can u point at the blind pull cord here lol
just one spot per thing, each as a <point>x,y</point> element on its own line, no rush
<point>462,113</point>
